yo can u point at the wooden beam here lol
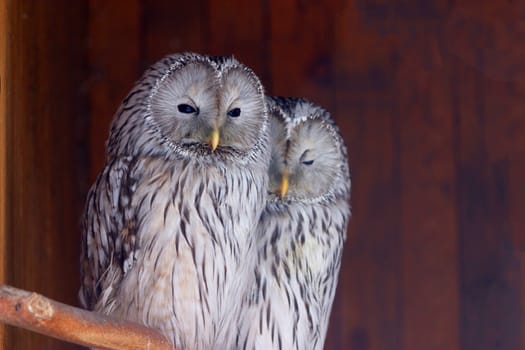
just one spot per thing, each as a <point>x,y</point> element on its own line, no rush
<point>39,314</point>
<point>46,154</point>
<point>3,132</point>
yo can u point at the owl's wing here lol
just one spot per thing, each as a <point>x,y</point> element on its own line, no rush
<point>109,235</point>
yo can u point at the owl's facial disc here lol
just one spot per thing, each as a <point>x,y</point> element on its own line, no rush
<point>312,161</point>
<point>241,109</point>
<point>185,106</point>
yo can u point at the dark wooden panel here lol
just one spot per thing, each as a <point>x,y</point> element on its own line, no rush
<point>114,58</point>
<point>517,221</point>
<point>240,28</point>
<point>429,251</point>
<point>515,133</point>
<point>367,313</point>
<point>368,304</point>
<point>492,29</point>
<point>395,12</point>
<point>487,42</point>
<point>301,49</point>
<point>170,27</point>
<point>489,297</point>
<point>46,153</point>
<point>488,113</point>
<point>504,132</point>
<point>3,145</point>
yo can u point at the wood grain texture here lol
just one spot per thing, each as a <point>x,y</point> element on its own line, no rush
<point>228,34</point>
<point>489,293</point>
<point>169,28</point>
<point>429,228</point>
<point>488,298</point>
<point>512,134</point>
<point>301,43</point>
<point>4,27</point>
<point>114,61</point>
<point>368,305</point>
<point>46,154</point>
<point>489,52</point>
<point>517,221</point>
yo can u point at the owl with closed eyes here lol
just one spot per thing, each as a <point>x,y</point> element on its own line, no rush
<point>168,225</point>
<point>300,233</point>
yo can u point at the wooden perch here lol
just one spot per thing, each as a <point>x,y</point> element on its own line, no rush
<point>42,315</point>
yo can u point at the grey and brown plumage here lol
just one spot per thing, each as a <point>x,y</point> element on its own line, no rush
<point>301,232</point>
<point>167,229</point>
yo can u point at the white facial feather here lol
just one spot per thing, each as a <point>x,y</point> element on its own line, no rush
<point>241,107</point>
<point>313,160</point>
<point>194,85</point>
<point>313,154</point>
<point>174,108</point>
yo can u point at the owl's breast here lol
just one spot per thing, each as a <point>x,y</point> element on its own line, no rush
<point>194,248</point>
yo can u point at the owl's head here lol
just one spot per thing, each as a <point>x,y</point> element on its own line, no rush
<point>308,156</point>
<point>197,106</point>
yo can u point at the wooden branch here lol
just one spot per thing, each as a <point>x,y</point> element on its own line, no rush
<point>42,315</point>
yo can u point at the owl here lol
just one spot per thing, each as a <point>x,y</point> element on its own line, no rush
<point>300,233</point>
<point>168,225</point>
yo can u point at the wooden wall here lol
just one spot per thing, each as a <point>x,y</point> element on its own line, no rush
<point>47,114</point>
<point>430,95</point>
<point>3,133</point>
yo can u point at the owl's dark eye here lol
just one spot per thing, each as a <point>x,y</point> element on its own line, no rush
<point>234,112</point>
<point>186,109</point>
<point>304,156</point>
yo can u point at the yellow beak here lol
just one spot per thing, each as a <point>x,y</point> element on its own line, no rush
<point>284,184</point>
<point>214,139</point>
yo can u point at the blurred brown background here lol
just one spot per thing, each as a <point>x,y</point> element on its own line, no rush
<point>430,95</point>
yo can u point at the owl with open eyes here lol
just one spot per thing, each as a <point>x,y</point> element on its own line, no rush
<point>168,225</point>
<point>300,233</point>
